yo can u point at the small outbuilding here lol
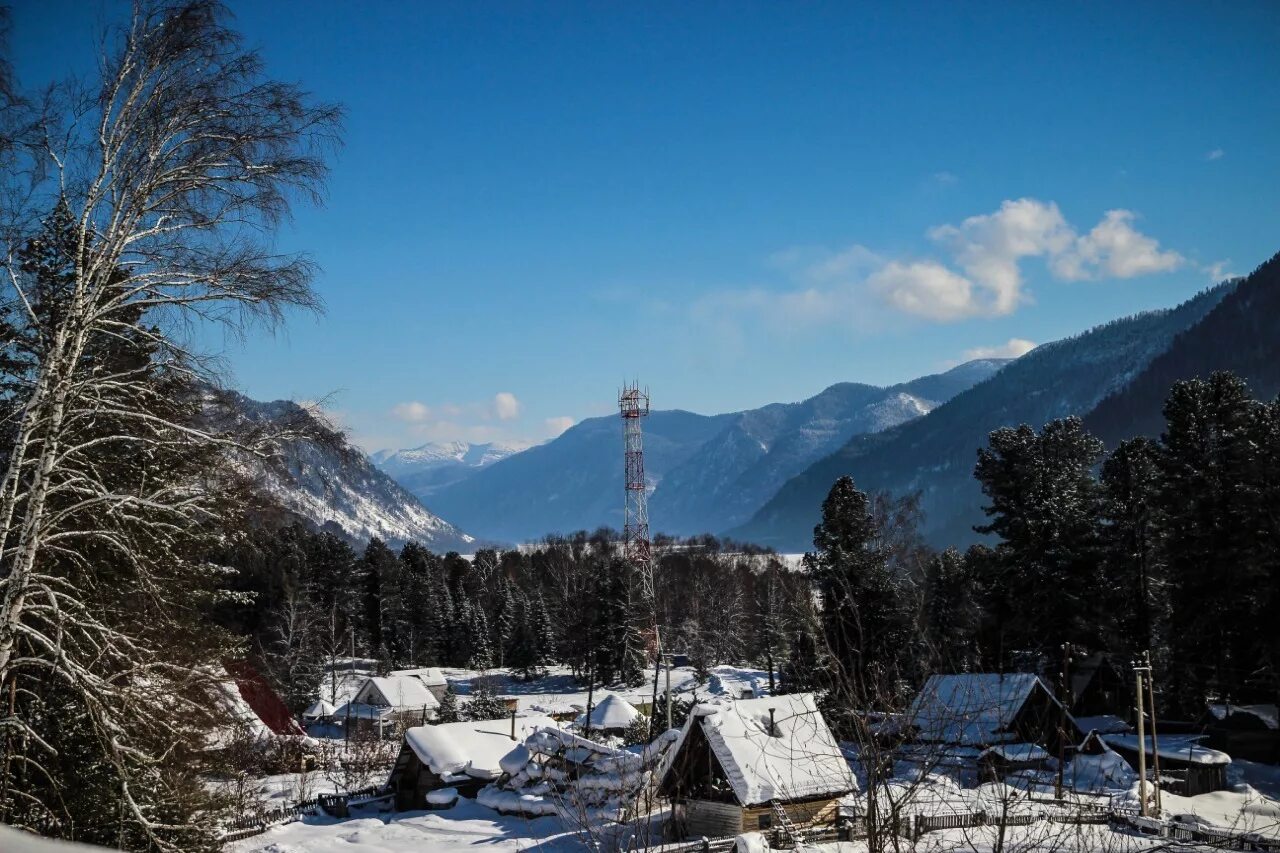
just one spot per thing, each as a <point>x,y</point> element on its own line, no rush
<point>466,756</point>
<point>1193,768</point>
<point>1098,688</point>
<point>1005,759</point>
<point>738,765</point>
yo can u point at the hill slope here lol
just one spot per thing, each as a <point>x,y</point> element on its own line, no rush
<point>333,484</point>
<point>935,454</point>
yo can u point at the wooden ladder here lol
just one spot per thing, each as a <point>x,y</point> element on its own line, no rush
<point>782,821</point>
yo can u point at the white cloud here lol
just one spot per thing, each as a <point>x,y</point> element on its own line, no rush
<point>926,289</point>
<point>411,411</point>
<point>980,274</point>
<point>555,426</point>
<point>505,406</point>
<point>1012,348</point>
<point>1115,249</point>
<point>945,179</point>
<point>1215,154</point>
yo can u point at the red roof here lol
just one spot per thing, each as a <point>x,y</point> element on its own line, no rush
<point>265,702</point>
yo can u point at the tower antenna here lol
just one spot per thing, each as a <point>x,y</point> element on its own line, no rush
<point>633,405</point>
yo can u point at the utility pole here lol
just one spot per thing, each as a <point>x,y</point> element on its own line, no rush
<point>1142,745</point>
<point>1064,693</point>
<point>1155,742</point>
<point>668,692</point>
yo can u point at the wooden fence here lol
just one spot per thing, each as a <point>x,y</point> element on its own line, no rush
<point>335,805</point>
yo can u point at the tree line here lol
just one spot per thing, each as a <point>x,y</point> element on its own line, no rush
<point>1169,545</point>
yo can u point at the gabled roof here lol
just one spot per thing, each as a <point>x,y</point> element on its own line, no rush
<point>972,709</point>
<point>475,748</point>
<point>799,759</point>
<point>402,691</point>
<point>319,708</point>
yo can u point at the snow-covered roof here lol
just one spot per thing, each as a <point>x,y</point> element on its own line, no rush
<point>319,708</point>
<point>1016,752</point>
<point>1104,724</point>
<point>428,675</point>
<point>613,712</point>
<point>1173,747</point>
<point>361,711</point>
<point>971,709</point>
<point>398,691</point>
<point>1267,714</point>
<point>475,748</point>
<point>797,760</point>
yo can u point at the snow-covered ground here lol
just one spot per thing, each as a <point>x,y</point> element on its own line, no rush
<point>465,826</point>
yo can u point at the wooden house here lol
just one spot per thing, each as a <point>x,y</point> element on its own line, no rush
<point>737,765</point>
<point>388,703</point>
<point>465,756</point>
<point>1248,732</point>
<point>985,709</point>
<point>430,676</point>
<point>1099,689</point>
<point>1192,768</point>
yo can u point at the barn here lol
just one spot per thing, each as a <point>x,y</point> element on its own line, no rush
<point>741,766</point>
<point>466,756</point>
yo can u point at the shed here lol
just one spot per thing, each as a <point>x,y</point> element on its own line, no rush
<point>1004,759</point>
<point>466,756</point>
<point>318,710</point>
<point>1250,732</point>
<point>984,709</point>
<point>736,761</point>
<point>1196,768</point>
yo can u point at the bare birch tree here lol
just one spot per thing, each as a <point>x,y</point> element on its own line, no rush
<point>171,172</point>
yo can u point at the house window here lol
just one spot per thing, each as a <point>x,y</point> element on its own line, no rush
<point>765,821</point>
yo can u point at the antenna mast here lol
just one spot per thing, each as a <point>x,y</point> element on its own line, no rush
<point>633,404</point>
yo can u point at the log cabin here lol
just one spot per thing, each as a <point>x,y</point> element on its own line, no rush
<point>738,765</point>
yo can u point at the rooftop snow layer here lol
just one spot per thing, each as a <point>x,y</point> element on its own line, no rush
<point>1267,714</point>
<point>475,748</point>
<point>797,760</point>
<point>971,709</point>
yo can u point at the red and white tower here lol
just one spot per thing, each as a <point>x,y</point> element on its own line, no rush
<point>634,405</point>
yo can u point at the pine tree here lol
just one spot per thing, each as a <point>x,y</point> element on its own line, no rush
<point>1208,496</point>
<point>504,622</point>
<point>1044,507</point>
<point>951,614</point>
<point>863,615</point>
<point>481,646</point>
<point>1131,546</point>
<point>448,710</point>
<point>484,704</point>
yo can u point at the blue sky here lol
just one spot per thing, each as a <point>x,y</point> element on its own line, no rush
<point>737,203</point>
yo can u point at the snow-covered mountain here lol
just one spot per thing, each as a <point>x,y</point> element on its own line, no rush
<point>430,467</point>
<point>707,472</point>
<point>330,483</point>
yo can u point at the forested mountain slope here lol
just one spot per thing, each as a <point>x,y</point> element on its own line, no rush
<point>1240,335</point>
<point>329,483</point>
<point>935,454</point>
